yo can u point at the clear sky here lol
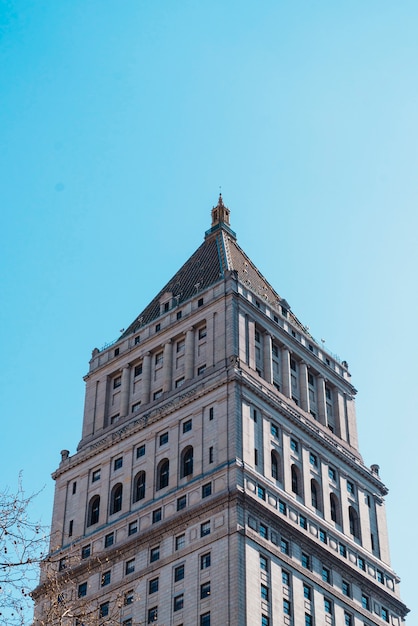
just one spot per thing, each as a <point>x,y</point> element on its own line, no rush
<point>119,122</point>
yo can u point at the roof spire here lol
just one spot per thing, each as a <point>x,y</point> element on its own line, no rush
<point>220,213</point>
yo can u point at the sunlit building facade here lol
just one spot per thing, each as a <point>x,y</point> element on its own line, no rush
<point>218,480</point>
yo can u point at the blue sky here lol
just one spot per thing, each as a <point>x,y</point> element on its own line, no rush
<point>119,123</point>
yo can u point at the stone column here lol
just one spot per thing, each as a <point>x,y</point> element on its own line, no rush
<point>146,378</point>
<point>268,363</point>
<point>125,389</point>
<point>189,354</point>
<point>168,365</point>
<point>286,385</point>
<point>321,400</point>
<point>303,384</point>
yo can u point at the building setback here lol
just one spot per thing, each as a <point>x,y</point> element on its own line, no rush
<point>218,480</point>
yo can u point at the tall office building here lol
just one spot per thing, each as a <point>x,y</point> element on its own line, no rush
<point>218,480</point>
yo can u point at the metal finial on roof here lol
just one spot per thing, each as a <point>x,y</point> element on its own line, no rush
<point>220,201</point>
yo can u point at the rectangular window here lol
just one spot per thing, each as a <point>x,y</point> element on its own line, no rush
<point>105,580</point>
<point>205,560</point>
<point>74,487</point>
<point>140,451</point>
<point>138,370</point>
<point>294,446</point>
<point>255,456</point>
<point>133,527</point>
<point>85,551</point>
<point>117,463</point>
<point>205,618</point>
<point>199,304</point>
<point>211,454</point>
<point>313,459</point>
<point>284,546</point>
<point>82,590</point>
<point>153,585</point>
<point>303,523</point>
<point>157,394</point>
<point>350,487</point>
<point>326,575</point>
<point>201,369</point>
<point>180,345</point>
<point>274,430</point>
<point>130,566</point>
<point>181,503</point>
<point>261,492</point>
<point>380,577</point>
<point>129,597</point>
<point>104,609</point>
<point>282,507</point>
<point>137,340</point>
<point>308,620</point>
<point>206,490</point>
<point>263,531</point>
<point>348,620</point>
<point>158,359</point>
<point>385,614</point>
<point>287,608</point>
<point>328,606</point>
<point>136,407</point>
<point>365,602</point>
<point>361,563</point>
<point>178,573</point>
<point>62,563</point>
<point>178,602</point>
<point>332,474</point>
<point>109,539</point>
<point>117,382</point>
<point>180,541</point>
<point>114,418</point>
<point>292,365</point>
<point>179,383</point>
<point>178,315</point>
<point>70,528</point>
<point>204,590</point>
<point>95,475</point>
<point>163,438</point>
<point>307,592</point>
<point>202,332</point>
<point>127,622</point>
<point>156,516</point>
<point>211,413</point>
<point>187,426</point>
<point>346,588</point>
<point>152,614</point>
<point>154,554</point>
<point>157,327</point>
<point>205,529</point>
<point>264,593</point>
<point>285,578</point>
<point>305,560</point>
<point>310,379</point>
<point>323,536</point>
<point>265,620</point>
<point>263,563</point>
<point>343,550</point>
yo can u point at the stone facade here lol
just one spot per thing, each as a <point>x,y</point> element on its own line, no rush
<point>218,478</point>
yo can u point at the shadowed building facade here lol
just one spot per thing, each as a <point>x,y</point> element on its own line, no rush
<point>218,480</point>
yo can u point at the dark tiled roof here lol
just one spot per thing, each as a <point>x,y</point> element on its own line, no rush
<point>218,253</point>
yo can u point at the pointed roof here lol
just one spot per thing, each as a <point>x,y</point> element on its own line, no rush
<point>218,253</point>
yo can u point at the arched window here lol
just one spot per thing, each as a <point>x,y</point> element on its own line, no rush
<point>139,487</point>
<point>186,468</point>
<point>94,511</point>
<point>116,499</point>
<point>275,465</point>
<point>316,495</point>
<point>334,507</point>
<point>354,523</point>
<point>295,480</point>
<point>163,474</point>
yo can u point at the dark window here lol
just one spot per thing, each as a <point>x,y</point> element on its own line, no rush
<point>326,575</point>
<point>287,607</point>
<point>181,503</point>
<point>308,620</point>
<point>263,531</point>
<point>348,620</point>
<point>205,590</point>
<point>156,516</point>
<point>274,465</point>
<point>361,563</point>
<point>139,487</point>
<point>157,394</point>
<point>380,577</point>
<point>138,370</point>
<point>140,451</point>
<point>274,430</point>
<point>95,476</point>
<point>343,550</point>
<point>163,474</point>
<point>200,302</point>
<point>116,499</point>
<point>328,606</point>
<point>117,382</point>
<point>334,507</point>
<point>202,332</point>
<point>117,463</point>
<point>307,592</point>
<point>104,609</point>
<point>285,578</point>
<point>284,546</point>
<point>263,563</point>
<point>365,602</point>
<point>70,528</point>
<point>136,407</point>
<point>163,438</point>
<point>178,602</point>
<point>205,618</point>
<point>201,370</point>
<point>306,562</point>
<point>186,462</point>
<point>205,560</point>
<point>62,564</point>
<point>85,551</point>
<point>130,566</point>
<point>282,507</point>
<point>94,511</point>
<point>205,529</point>
<point>264,592</point>
<point>385,614</point>
<point>154,554</point>
<point>206,490</point>
<point>116,352</point>
<point>314,495</point>
<point>109,539</point>
<point>137,340</point>
<point>211,454</point>
<point>157,327</point>
<point>323,536</point>
<point>255,456</point>
<point>82,590</point>
<point>261,492</point>
<point>303,522</point>
<point>178,316</point>
<point>129,597</point>
<point>211,413</point>
<point>187,426</point>
<point>152,615</point>
<point>133,528</point>
<point>295,480</point>
<point>313,459</point>
<point>153,585</point>
<point>350,487</point>
<point>178,573</point>
<point>265,620</point>
<point>354,522</point>
<point>74,487</point>
<point>180,541</point>
<point>105,580</point>
<point>346,588</point>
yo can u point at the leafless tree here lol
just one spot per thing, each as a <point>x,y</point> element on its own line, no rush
<point>23,544</point>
